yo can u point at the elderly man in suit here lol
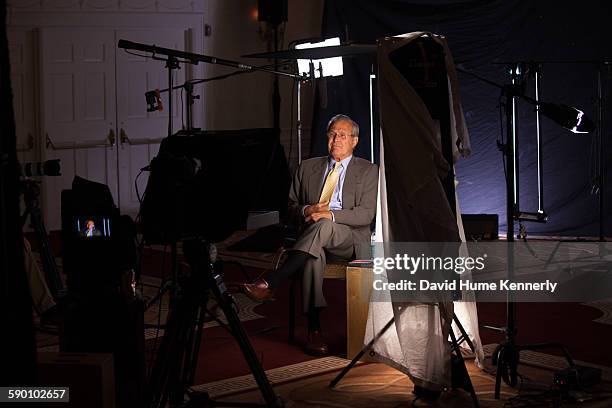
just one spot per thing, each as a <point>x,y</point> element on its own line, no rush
<point>333,199</point>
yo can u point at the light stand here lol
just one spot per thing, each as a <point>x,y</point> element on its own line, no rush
<point>171,64</point>
<point>507,354</point>
<point>189,101</point>
<point>600,137</point>
<point>299,120</point>
<point>372,78</point>
<point>299,109</point>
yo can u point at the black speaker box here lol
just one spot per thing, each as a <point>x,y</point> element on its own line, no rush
<point>272,11</point>
<point>480,226</point>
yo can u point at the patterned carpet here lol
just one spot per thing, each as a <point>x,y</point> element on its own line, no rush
<point>377,385</point>
<point>49,341</point>
<point>246,308</point>
<point>604,306</point>
<point>371,385</point>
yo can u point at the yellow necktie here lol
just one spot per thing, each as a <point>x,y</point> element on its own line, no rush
<point>330,183</point>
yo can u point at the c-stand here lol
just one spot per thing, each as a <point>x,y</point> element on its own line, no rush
<point>506,356</point>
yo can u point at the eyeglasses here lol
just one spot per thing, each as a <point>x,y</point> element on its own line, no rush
<point>340,135</point>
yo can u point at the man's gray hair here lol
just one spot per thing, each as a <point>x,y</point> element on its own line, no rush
<point>355,126</point>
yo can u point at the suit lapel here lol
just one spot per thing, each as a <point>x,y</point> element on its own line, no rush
<point>348,188</point>
<point>315,183</point>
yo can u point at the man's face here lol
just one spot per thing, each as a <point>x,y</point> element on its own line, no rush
<point>340,142</point>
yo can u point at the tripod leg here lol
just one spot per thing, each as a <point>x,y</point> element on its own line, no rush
<point>498,373</point>
<point>364,350</point>
<point>350,365</point>
<point>52,276</point>
<point>249,353</point>
<point>496,361</point>
<point>464,373</point>
<point>225,301</point>
<point>464,335</point>
<point>165,381</point>
<point>195,349</point>
<point>508,356</point>
<point>185,307</point>
<point>159,373</point>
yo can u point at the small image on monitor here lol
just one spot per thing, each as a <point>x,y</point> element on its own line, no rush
<point>91,227</point>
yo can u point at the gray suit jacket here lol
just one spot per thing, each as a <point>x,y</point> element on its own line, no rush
<point>358,194</point>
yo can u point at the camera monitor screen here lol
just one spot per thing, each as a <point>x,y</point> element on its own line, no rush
<point>92,227</point>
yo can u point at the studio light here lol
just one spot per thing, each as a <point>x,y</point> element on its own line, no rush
<point>568,117</point>
<point>326,67</point>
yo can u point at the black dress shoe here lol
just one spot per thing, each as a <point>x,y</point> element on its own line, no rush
<point>426,393</point>
<point>258,291</point>
<point>315,344</point>
<point>50,317</point>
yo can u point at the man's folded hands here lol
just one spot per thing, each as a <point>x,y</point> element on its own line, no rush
<point>315,212</point>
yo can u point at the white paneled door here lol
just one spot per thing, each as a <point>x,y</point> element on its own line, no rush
<point>79,115</point>
<point>94,114</point>
<point>140,131</point>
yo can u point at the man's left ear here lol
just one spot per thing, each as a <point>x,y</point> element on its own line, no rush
<point>355,141</point>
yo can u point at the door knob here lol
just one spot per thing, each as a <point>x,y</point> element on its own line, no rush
<point>111,137</point>
<point>123,137</point>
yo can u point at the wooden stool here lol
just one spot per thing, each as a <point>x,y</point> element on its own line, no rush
<point>333,270</point>
<point>359,280</point>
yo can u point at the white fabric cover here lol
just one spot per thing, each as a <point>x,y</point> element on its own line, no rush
<point>417,344</point>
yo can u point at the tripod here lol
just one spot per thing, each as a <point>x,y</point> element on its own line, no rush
<point>455,347</point>
<point>176,362</point>
<point>31,193</point>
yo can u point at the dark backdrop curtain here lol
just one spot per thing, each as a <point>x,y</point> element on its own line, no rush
<point>482,35</point>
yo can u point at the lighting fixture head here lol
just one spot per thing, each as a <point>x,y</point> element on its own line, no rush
<point>571,118</point>
<point>322,67</point>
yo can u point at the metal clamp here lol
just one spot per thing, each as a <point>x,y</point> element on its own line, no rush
<point>108,142</point>
<point>28,145</point>
<point>124,139</point>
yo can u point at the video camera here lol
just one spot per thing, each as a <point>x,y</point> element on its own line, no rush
<point>102,313</point>
<point>99,244</point>
<point>39,169</point>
